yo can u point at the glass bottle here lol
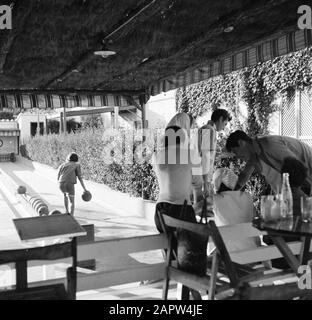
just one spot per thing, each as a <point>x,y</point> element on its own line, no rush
<point>286,198</point>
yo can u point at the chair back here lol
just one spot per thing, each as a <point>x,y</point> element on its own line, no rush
<point>223,253</point>
<point>170,225</point>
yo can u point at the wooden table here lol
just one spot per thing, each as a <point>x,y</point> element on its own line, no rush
<point>291,228</point>
<point>48,237</point>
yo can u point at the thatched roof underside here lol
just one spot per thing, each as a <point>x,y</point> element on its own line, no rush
<point>51,44</point>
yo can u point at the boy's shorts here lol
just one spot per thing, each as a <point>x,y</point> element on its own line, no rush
<point>68,188</point>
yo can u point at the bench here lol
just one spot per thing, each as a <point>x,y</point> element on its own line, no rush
<point>121,261</point>
<point>127,260</point>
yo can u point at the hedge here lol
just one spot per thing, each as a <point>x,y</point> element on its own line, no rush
<point>137,179</point>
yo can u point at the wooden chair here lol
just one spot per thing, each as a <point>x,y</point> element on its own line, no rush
<point>23,291</point>
<point>237,279</point>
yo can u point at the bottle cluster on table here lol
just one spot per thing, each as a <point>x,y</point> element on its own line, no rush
<point>280,206</point>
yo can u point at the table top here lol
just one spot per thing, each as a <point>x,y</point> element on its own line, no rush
<point>48,227</point>
<point>289,227</point>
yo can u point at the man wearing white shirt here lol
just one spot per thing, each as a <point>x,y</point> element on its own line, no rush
<point>205,151</point>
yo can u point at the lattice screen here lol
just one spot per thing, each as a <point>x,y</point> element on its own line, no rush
<point>305,118</point>
<point>307,141</point>
<point>298,126</point>
<point>288,117</point>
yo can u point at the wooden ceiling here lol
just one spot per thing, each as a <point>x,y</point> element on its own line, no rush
<point>51,45</point>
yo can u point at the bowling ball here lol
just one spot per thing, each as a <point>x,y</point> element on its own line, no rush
<point>86,196</point>
<point>21,190</point>
<point>55,212</point>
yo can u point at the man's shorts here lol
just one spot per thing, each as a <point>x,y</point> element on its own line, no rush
<point>68,188</point>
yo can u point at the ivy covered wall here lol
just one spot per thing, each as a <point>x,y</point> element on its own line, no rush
<point>257,86</point>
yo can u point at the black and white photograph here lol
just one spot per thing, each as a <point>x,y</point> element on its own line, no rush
<point>155,151</point>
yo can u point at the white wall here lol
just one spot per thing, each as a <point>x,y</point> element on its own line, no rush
<point>107,119</point>
<point>160,109</point>
<point>24,121</point>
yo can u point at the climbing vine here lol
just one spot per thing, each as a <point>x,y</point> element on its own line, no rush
<point>256,86</point>
<point>221,91</point>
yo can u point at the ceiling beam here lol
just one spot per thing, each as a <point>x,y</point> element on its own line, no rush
<point>91,111</point>
<point>71,92</point>
<point>132,101</point>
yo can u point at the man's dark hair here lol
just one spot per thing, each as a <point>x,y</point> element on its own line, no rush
<point>218,113</point>
<point>73,157</point>
<point>232,140</point>
<point>168,131</point>
<point>296,169</point>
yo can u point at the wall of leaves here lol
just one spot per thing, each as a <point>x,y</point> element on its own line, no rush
<point>258,86</point>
